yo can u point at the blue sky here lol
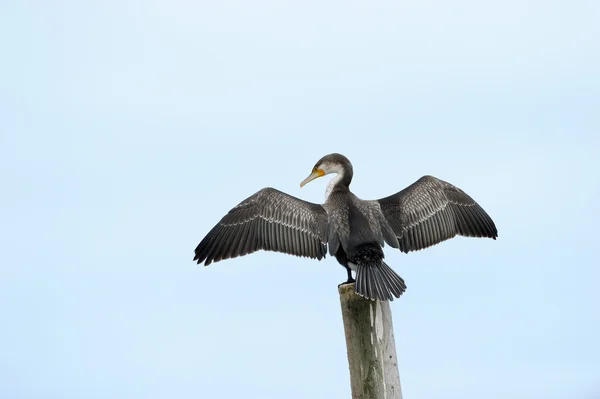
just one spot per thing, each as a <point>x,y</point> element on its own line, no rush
<point>129,128</point>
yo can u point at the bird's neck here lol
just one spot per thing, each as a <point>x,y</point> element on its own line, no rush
<point>342,180</point>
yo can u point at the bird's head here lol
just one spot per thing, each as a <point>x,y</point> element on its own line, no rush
<point>332,163</point>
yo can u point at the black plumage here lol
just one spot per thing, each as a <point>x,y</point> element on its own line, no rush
<point>269,220</point>
<point>353,230</point>
<point>430,211</point>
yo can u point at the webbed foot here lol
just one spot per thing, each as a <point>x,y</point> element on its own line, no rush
<point>349,281</point>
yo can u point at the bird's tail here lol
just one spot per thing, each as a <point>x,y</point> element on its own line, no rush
<point>376,280</point>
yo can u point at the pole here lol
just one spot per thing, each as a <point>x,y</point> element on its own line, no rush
<point>370,344</point>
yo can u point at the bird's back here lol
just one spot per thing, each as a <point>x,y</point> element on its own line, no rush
<point>353,222</point>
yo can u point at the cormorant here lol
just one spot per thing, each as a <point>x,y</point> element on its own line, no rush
<point>425,213</point>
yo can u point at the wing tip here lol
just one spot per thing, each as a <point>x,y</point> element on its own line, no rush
<point>200,259</point>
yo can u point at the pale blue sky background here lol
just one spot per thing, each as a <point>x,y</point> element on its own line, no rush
<point>128,128</point>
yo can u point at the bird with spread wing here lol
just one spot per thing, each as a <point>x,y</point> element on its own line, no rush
<point>425,213</point>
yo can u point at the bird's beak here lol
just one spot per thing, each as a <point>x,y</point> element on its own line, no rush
<point>317,173</point>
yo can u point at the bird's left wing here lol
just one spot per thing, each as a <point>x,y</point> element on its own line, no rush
<point>271,220</point>
<point>430,211</point>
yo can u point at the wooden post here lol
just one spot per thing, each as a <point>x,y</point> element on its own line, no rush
<point>371,347</point>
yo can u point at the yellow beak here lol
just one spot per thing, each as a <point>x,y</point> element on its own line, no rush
<point>316,174</point>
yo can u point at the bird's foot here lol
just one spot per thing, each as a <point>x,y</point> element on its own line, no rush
<point>349,281</point>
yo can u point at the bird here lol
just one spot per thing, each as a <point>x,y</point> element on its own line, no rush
<point>352,230</point>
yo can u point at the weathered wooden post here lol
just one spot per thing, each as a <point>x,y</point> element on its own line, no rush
<point>371,348</point>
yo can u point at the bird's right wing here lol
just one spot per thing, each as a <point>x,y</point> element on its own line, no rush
<point>430,211</point>
<point>269,220</point>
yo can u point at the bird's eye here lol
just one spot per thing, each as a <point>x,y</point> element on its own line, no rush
<point>315,169</point>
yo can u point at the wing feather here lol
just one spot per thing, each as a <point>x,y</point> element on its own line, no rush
<point>430,211</point>
<point>269,220</point>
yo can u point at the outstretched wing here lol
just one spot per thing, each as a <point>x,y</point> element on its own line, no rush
<point>430,211</point>
<point>269,220</point>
